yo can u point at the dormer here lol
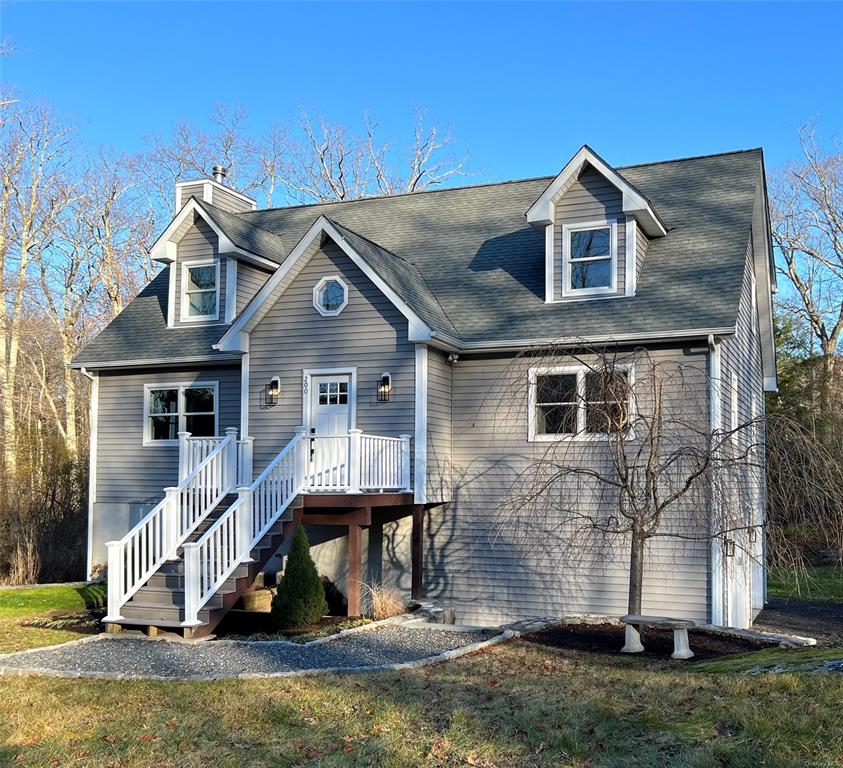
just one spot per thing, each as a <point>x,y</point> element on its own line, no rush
<point>597,226</point>
<point>215,264</point>
<point>215,192</point>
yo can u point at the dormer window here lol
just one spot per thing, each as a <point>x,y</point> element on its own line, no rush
<point>590,258</point>
<point>200,290</point>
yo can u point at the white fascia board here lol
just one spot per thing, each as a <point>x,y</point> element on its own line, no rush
<point>258,307</point>
<point>540,213</point>
<point>164,249</point>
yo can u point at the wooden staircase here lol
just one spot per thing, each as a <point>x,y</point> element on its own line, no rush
<point>159,603</point>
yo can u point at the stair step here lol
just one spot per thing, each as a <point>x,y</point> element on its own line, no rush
<point>155,614</point>
<point>166,596</point>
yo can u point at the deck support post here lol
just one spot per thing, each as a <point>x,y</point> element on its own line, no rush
<point>355,538</point>
<point>417,552</point>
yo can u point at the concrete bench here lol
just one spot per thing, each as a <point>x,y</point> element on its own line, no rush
<point>680,627</point>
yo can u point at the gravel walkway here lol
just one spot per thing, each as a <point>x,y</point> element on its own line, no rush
<point>139,658</point>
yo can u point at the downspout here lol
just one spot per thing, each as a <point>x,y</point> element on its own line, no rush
<point>93,416</point>
<point>717,565</point>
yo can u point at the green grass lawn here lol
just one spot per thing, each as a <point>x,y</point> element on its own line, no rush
<point>17,605</point>
<point>517,704</point>
<point>824,582</point>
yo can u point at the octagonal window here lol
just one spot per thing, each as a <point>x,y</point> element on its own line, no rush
<point>330,296</point>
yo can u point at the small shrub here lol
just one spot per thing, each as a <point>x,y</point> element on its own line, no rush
<point>300,598</point>
<point>385,602</point>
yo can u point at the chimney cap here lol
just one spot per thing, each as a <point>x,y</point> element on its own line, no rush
<point>220,173</point>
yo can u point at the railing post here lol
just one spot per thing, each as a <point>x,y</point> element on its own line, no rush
<point>302,458</point>
<point>172,526</point>
<point>244,524</point>
<point>355,460</point>
<point>405,463</point>
<point>191,584</point>
<point>115,578</point>
<point>229,458</point>
<point>245,467</point>
<point>184,459</point>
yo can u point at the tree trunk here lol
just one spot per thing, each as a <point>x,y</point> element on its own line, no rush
<point>636,569</point>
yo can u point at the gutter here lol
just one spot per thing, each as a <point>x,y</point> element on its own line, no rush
<point>448,342</point>
<point>154,362</point>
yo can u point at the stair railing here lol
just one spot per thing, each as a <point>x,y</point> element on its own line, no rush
<point>210,561</point>
<point>345,463</point>
<point>158,535</point>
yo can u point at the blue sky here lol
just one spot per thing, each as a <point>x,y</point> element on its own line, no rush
<point>523,86</point>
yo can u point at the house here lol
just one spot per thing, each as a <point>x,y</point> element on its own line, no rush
<point>331,365</point>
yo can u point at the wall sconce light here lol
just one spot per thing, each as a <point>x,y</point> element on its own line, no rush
<point>384,387</point>
<point>729,547</point>
<point>272,391</point>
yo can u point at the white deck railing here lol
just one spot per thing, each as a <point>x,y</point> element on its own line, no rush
<point>345,464</point>
<point>157,537</point>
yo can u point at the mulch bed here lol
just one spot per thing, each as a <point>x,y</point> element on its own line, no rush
<point>658,643</point>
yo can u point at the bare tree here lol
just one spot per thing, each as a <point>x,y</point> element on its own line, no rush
<point>624,455</point>
<point>807,205</point>
<point>332,162</point>
<point>34,151</point>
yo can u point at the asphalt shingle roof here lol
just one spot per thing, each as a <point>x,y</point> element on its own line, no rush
<point>470,265</point>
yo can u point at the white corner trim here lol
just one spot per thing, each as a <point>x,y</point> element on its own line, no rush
<point>307,375</point>
<point>318,287</point>
<point>184,305</point>
<point>244,396</point>
<point>259,306</point>
<point>549,288</point>
<point>420,482</point>
<point>716,560</point>
<point>230,289</point>
<point>567,230</point>
<point>634,203</point>
<point>630,254</point>
<point>93,423</point>
<point>171,295</point>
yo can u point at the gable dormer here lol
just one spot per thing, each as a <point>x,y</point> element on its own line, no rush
<point>597,226</point>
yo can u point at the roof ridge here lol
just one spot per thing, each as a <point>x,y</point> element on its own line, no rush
<point>504,182</point>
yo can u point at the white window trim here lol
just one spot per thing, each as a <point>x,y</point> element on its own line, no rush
<point>318,307</point>
<point>185,265</point>
<point>307,383</point>
<point>567,229</point>
<point>580,435</point>
<point>181,387</point>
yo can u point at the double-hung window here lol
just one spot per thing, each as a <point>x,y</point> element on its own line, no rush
<point>577,402</point>
<point>590,258</point>
<point>200,288</point>
<point>173,408</point>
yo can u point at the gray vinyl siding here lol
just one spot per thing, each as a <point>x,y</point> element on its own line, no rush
<point>439,425</point>
<point>131,476</point>
<point>641,243</point>
<point>191,190</point>
<point>590,198</point>
<point>199,242</point>
<point>222,198</point>
<point>250,279</point>
<point>741,363</point>
<point>369,335</point>
<point>494,565</point>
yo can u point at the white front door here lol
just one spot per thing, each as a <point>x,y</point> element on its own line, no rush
<point>330,409</point>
